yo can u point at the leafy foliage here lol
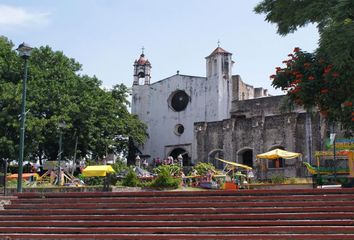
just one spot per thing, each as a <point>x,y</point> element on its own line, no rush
<point>203,168</point>
<point>174,169</point>
<point>119,166</point>
<point>312,81</point>
<point>131,179</point>
<point>165,179</point>
<point>323,79</point>
<point>92,181</point>
<point>96,118</point>
<point>277,179</point>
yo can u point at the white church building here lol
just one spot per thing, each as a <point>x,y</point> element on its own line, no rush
<point>171,107</point>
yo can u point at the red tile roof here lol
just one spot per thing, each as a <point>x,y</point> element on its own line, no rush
<point>218,50</point>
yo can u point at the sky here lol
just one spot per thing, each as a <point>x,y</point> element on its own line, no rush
<point>107,36</point>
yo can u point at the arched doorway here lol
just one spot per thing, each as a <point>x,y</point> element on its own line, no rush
<point>245,157</point>
<point>177,151</point>
<point>211,157</point>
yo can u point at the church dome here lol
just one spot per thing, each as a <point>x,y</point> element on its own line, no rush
<point>142,60</point>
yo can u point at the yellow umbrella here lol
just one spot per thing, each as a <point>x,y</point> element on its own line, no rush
<point>278,153</point>
<point>97,171</point>
<point>234,164</point>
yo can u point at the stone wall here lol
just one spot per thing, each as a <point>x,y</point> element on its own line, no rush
<point>258,125</point>
<point>244,91</point>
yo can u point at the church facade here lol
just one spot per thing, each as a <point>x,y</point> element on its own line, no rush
<point>196,116</point>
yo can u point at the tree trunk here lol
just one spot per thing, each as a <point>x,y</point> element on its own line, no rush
<point>308,129</point>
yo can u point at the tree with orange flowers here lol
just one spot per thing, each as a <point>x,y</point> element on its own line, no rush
<point>311,81</point>
<point>323,79</point>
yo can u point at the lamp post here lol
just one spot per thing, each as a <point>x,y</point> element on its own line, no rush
<point>333,141</point>
<point>61,126</point>
<point>24,51</point>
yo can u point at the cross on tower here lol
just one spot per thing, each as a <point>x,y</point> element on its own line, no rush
<point>142,50</point>
<point>218,43</point>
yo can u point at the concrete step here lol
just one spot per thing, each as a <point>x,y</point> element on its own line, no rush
<point>161,199</point>
<point>182,230</point>
<point>179,217</point>
<point>210,210</point>
<point>291,192</point>
<point>185,217</point>
<point>246,214</point>
<point>282,236</point>
<point>174,223</point>
<point>154,205</point>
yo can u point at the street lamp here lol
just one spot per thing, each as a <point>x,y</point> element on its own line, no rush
<point>333,141</point>
<point>61,126</point>
<point>24,51</point>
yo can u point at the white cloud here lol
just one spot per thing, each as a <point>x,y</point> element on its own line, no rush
<point>17,16</point>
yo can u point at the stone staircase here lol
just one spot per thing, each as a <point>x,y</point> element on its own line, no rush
<point>244,214</point>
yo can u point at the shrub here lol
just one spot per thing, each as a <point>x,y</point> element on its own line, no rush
<point>203,168</point>
<point>173,169</point>
<point>276,179</point>
<point>92,181</point>
<point>165,180</point>
<point>131,179</point>
<point>112,179</point>
<point>145,184</point>
<point>292,180</point>
<point>119,166</point>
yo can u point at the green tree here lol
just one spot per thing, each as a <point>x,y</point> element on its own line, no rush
<point>97,119</point>
<point>325,78</point>
<point>10,98</point>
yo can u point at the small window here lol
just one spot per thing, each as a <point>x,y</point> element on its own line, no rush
<point>179,129</point>
<point>276,163</point>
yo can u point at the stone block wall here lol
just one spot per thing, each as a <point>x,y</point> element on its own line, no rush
<point>259,125</point>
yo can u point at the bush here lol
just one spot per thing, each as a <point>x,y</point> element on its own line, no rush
<point>131,179</point>
<point>119,166</point>
<point>92,181</point>
<point>165,180</point>
<point>276,179</point>
<point>173,169</point>
<point>112,179</point>
<point>145,184</point>
<point>292,180</point>
<point>96,181</point>
<point>203,168</point>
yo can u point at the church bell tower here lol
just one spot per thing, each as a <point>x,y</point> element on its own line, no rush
<point>219,75</point>
<point>142,69</point>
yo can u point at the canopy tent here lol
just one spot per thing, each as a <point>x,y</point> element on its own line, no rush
<point>347,168</point>
<point>26,176</point>
<point>235,164</point>
<point>278,153</point>
<point>97,171</point>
